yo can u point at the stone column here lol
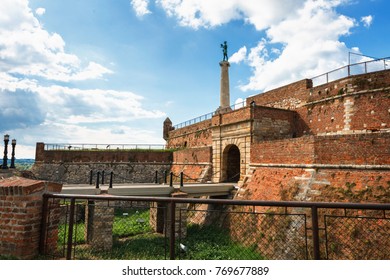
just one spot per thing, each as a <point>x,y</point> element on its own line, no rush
<point>224,88</point>
<point>21,201</point>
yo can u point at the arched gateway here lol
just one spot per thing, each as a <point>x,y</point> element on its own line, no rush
<point>231,164</point>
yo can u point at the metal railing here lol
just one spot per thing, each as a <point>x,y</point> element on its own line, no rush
<point>208,116</point>
<point>185,228</point>
<point>352,69</point>
<point>92,147</point>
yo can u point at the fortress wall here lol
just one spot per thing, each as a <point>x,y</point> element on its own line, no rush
<point>358,149</point>
<point>287,97</point>
<point>195,163</point>
<point>319,184</point>
<point>235,116</point>
<point>49,156</point>
<point>291,151</point>
<point>351,112</point>
<point>273,123</point>
<point>79,173</point>
<point>196,135</point>
<point>371,111</point>
<point>194,155</point>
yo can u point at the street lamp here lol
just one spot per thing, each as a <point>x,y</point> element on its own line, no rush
<point>5,159</point>
<point>13,143</point>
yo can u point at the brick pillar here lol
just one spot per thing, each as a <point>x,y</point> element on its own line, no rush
<point>21,201</point>
<point>180,217</point>
<point>99,220</point>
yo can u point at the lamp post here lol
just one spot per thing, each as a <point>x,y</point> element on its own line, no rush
<point>5,159</point>
<point>13,143</point>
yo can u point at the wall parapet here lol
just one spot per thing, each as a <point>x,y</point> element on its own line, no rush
<point>98,155</point>
<point>21,201</point>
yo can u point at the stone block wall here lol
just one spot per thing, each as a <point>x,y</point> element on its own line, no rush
<point>79,173</point>
<point>21,203</point>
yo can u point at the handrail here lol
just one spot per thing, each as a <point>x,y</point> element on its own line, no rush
<point>80,146</point>
<point>351,70</point>
<point>208,116</point>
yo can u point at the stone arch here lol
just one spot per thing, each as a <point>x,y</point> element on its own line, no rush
<point>231,164</point>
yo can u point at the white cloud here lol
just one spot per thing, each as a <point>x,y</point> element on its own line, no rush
<point>238,56</point>
<point>26,48</point>
<point>367,20</point>
<point>140,7</point>
<point>40,11</point>
<point>302,36</point>
<point>206,13</point>
<point>37,108</point>
<point>310,46</point>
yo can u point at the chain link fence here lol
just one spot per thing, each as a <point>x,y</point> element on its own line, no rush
<point>109,227</point>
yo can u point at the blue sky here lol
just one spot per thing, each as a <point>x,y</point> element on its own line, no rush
<point>101,71</point>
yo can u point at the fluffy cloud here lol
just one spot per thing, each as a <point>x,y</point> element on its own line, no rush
<point>367,20</point>
<point>310,45</point>
<point>302,36</point>
<point>238,56</point>
<point>38,108</point>
<point>140,7</point>
<point>40,11</point>
<point>205,13</point>
<point>26,48</point>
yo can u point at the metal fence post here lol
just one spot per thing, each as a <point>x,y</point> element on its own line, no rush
<point>90,177</point>
<point>316,237</point>
<point>171,179</point>
<point>103,177</point>
<point>172,208</point>
<point>111,177</point>
<point>156,177</point>
<point>165,176</point>
<point>97,179</point>
<point>70,229</point>
<point>42,240</point>
<point>181,179</point>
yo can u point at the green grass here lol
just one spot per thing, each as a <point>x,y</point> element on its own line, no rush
<point>129,222</point>
<point>133,239</point>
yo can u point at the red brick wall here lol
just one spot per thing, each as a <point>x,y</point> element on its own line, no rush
<point>21,215</point>
<point>291,151</point>
<point>196,135</point>
<point>286,97</point>
<point>371,111</point>
<point>193,162</point>
<point>194,155</point>
<point>328,185</point>
<point>359,149</point>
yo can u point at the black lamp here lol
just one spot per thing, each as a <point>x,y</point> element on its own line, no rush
<point>5,159</point>
<point>13,143</point>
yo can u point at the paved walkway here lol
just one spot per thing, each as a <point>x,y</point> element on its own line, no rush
<point>193,190</point>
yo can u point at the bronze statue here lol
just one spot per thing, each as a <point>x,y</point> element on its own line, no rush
<point>224,50</point>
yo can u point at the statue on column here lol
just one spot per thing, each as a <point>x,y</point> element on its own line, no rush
<point>224,50</point>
